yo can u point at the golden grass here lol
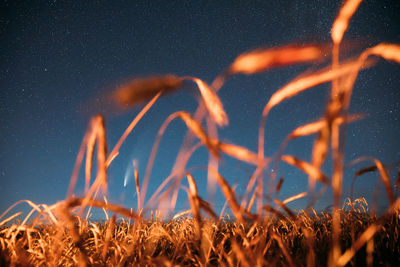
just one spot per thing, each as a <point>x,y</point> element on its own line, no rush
<point>264,59</point>
<point>303,239</point>
<point>272,235</point>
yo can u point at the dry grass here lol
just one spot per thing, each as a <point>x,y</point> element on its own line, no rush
<point>304,239</point>
<point>273,234</point>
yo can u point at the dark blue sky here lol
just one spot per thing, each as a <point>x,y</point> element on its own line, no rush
<point>58,58</point>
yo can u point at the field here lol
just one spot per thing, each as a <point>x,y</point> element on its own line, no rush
<point>302,239</point>
<point>252,229</point>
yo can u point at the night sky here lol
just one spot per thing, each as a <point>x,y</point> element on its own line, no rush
<point>58,59</point>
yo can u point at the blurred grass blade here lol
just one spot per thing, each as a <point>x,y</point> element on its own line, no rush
<point>230,196</point>
<point>89,153</point>
<point>370,252</point>
<point>315,127</point>
<point>97,133</point>
<point>386,181</point>
<point>285,208</point>
<point>143,89</point>
<point>297,86</point>
<point>108,237</point>
<point>358,173</point>
<point>212,102</point>
<point>272,210</point>
<point>341,22</point>
<point>263,59</point>
<point>305,167</point>
<point>364,237</point>
<point>198,130</point>
<point>307,129</point>
<point>283,249</point>
<point>194,203</point>
<point>128,130</point>
<point>365,170</point>
<point>251,202</point>
<point>180,214</point>
<point>239,153</point>
<point>78,163</point>
<point>12,217</point>
<point>74,202</point>
<point>279,185</point>
<point>382,173</point>
<point>321,147</point>
<point>306,82</point>
<point>387,51</point>
<point>240,255</point>
<point>292,198</point>
<point>136,175</point>
<point>101,152</point>
<point>207,207</point>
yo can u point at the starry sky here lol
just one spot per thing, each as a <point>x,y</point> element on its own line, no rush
<point>59,58</point>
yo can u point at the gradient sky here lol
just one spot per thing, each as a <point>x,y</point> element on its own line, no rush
<point>58,58</point>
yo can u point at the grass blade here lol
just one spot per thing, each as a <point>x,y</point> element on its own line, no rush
<point>315,127</point>
<point>128,130</point>
<point>10,218</point>
<point>297,86</point>
<point>74,202</point>
<point>306,82</point>
<point>341,22</point>
<point>279,185</point>
<point>136,174</point>
<point>212,102</point>
<point>364,237</point>
<point>109,233</point>
<point>239,153</point>
<point>292,198</point>
<point>101,153</point>
<point>198,130</point>
<point>143,89</point>
<point>306,167</point>
<point>386,181</point>
<point>387,51</point>
<point>194,203</point>
<point>89,153</point>
<point>230,197</point>
<point>263,59</point>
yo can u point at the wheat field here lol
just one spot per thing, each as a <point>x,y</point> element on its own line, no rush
<point>253,229</point>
